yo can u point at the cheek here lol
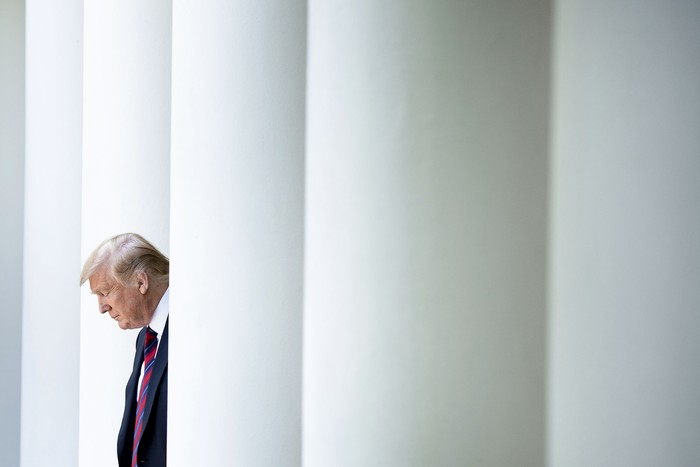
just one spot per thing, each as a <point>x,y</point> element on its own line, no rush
<point>113,302</point>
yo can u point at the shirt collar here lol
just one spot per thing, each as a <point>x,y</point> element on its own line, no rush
<point>160,316</point>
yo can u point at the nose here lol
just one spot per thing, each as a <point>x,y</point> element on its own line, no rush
<point>103,305</point>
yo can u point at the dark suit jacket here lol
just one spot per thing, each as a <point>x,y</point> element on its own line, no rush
<point>152,447</point>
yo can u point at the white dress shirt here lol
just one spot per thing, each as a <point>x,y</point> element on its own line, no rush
<point>160,316</point>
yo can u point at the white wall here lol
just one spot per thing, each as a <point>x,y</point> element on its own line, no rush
<point>125,187</point>
<point>624,322</point>
<point>51,322</point>
<point>236,233</point>
<point>424,319</point>
<point>11,222</point>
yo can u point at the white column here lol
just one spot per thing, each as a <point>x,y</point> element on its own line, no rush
<point>49,392</point>
<point>51,320</point>
<point>11,222</point>
<point>625,295</point>
<point>424,318</point>
<point>237,214</point>
<point>126,186</point>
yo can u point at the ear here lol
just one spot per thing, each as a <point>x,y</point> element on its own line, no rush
<point>142,281</point>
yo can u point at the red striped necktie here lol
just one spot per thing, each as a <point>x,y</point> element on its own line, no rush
<point>149,351</point>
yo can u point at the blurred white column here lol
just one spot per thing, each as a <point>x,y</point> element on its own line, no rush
<point>424,319</point>
<point>625,295</point>
<point>126,186</point>
<point>51,319</point>
<point>237,215</point>
<point>12,88</point>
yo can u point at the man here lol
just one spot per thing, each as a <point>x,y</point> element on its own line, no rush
<point>130,278</point>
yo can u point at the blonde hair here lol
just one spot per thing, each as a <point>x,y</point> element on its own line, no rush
<point>126,255</point>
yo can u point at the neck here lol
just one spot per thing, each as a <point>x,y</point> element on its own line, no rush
<point>155,292</point>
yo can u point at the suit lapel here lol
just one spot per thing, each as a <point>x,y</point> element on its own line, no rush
<point>159,367</point>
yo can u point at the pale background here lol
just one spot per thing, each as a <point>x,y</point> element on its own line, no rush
<point>402,233</point>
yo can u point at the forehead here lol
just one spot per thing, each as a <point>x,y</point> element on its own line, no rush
<point>100,280</point>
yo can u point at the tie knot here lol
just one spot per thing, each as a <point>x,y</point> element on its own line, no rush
<point>150,336</point>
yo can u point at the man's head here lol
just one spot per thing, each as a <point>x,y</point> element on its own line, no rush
<point>129,277</point>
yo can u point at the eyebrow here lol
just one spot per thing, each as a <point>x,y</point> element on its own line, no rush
<point>100,290</point>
